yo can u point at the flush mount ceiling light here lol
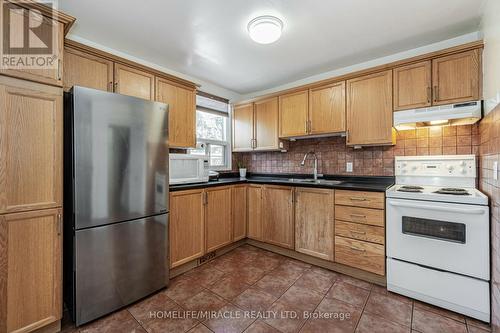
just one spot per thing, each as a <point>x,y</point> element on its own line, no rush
<point>265,29</point>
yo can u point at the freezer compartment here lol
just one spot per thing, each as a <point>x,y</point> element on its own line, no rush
<point>455,292</point>
<point>119,264</point>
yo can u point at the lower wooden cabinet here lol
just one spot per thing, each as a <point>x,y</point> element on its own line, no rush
<point>218,218</point>
<point>314,222</point>
<point>254,193</point>
<point>239,210</point>
<point>30,270</point>
<point>277,216</point>
<point>363,255</point>
<point>187,226</point>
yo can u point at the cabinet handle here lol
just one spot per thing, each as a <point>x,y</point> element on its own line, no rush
<point>358,199</point>
<point>116,86</point>
<point>307,126</point>
<point>59,75</point>
<point>255,143</point>
<point>357,232</point>
<point>205,198</point>
<point>359,215</point>
<point>436,93</point>
<point>357,249</point>
<point>59,224</point>
<point>110,86</point>
<point>429,94</point>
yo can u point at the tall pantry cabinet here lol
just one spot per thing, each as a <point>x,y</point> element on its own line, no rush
<point>31,112</point>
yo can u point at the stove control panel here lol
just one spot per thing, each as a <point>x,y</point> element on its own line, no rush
<point>437,166</point>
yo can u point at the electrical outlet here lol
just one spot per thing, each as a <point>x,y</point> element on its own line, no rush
<point>495,170</point>
<point>348,167</point>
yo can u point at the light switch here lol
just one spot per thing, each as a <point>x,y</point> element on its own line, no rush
<point>495,170</point>
<point>348,167</point>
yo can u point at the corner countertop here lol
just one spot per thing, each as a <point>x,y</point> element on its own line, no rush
<point>365,183</point>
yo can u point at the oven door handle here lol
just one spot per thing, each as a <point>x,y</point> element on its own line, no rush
<point>476,211</point>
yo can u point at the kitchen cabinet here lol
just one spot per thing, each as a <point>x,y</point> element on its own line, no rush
<point>243,127</point>
<point>187,226</point>
<point>30,273</point>
<point>218,218</point>
<point>266,124</point>
<point>47,29</point>
<point>87,70</point>
<point>369,109</point>
<point>255,126</point>
<point>314,222</point>
<point>363,255</point>
<point>239,211</point>
<point>30,145</point>
<point>456,78</point>
<point>360,199</point>
<point>255,217</point>
<point>412,86</point>
<point>327,109</point>
<point>360,232</point>
<point>181,112</point>
<point>277,216</point>
<point>133,82</point>
<point>293,112</point>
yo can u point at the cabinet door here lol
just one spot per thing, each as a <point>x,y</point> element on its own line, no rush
<point>293,109</point>
<point>239,198</point>
<point>243,127</point>
<point>187,226</point>
<point>327,109</point>
<point>181,112</point>
<point>133,82</point>
<point>255,212</point>
<point>456,78</point>
<point>86,70</point>
<point>45,27</point>
<point>266,124</point>
<point>277,216</point>
<point>369,109</point>
<point>30,274</point>
<point>30,145</point>
<point>412,86</point>
<point>314,222</point>
<point>219,225</point>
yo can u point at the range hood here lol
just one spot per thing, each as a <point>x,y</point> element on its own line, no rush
<point>445,115</point>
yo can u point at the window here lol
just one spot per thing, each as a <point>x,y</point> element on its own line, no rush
<point>213,131</point>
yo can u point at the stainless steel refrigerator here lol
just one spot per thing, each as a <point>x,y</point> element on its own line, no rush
<point>115,201</point>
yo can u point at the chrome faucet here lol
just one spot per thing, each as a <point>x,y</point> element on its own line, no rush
<point>315,163</point>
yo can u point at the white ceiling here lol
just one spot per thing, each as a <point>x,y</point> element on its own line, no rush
<point>207,39</point>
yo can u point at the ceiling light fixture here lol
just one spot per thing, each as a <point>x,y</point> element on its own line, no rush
<point>265,29</point>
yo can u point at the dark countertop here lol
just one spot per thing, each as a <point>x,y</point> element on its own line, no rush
<point>369,183</point>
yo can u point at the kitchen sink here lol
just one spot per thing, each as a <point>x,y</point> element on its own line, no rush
<point>313,181</point>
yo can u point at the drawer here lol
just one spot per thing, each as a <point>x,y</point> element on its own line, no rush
<point>360,232</point>
<point>360,215</point>
<point>363,255</point>
<point>360,199</point>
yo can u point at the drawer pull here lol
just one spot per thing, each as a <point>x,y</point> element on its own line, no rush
<point>357,232</point>
<point>358,199</point>
<point>359,215</point>
<point>357,249</point>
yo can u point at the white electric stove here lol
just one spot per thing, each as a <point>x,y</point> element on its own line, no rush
<point>438,234</point>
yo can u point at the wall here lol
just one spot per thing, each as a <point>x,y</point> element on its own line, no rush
<point>490,26</point>
<point>371,161</point>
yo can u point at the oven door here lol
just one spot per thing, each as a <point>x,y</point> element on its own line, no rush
<point>446,236</point>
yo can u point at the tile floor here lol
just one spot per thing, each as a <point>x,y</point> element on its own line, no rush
<point>247,280</point>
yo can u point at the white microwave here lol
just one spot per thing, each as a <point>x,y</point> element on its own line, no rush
<point>185,168</point>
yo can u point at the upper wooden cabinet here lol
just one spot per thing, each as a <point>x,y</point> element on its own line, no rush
<point>456,78</point>
<point>255,126</point>
<point>314,222</point>
<point>181,112</point>
<point>239,211</point>
<point>87,70</point>
<point>51,28</point>
<point>266,124</point>
<point>412,86</point>
<point>369,109</point>
<point>327,109</point>
<point>134,82</point>
<point>30,273</point>
<point>254,193</point>
<point>243,127</point>
<point>30,145</point>
<point>277,216</point>
<point>293,111</point>
<point>218,223</point>
<point>187,226</point>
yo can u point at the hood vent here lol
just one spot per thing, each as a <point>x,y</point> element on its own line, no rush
<point>444,115</point>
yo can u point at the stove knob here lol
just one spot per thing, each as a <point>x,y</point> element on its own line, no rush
<point>463,170</point>
<point>462,163</point>
<point>450,168</point>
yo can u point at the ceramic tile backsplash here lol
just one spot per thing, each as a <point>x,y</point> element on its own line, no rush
<point>489,153</point>
<point>333,154</point>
